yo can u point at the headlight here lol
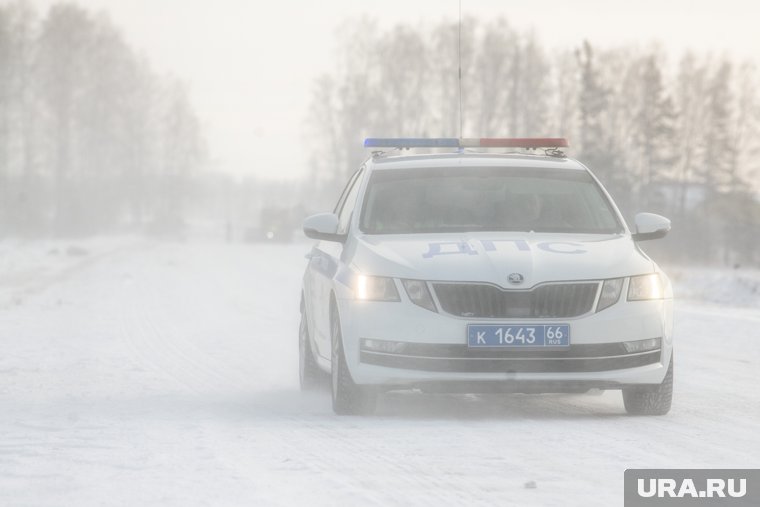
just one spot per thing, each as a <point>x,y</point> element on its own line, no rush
<point>418,293</point>
<point>375,288</point>
<point>646,287</point>
<point>610,293</point>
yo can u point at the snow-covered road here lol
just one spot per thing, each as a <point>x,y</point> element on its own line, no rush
<point>166,374</point>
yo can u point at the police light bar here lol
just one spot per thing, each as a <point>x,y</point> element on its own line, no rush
<point>411,142</point>
<point>451,142</point>
<point>514,142</point>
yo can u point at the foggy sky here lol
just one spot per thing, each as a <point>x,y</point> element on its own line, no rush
<point>250,65</point>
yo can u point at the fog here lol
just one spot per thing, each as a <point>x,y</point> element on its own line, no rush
<point>250,69</point>
<point>157,160</point>
<point>116,119</point>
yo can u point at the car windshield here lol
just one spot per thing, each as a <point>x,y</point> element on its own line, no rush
<point>403,201</point>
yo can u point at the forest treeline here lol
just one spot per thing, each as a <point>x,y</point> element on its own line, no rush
<point>677,137</point>
<point>91,139</point>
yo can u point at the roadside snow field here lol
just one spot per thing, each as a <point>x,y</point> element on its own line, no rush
<point>147,373</point>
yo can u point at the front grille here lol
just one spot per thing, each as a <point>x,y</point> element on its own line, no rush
<point>479,300</point>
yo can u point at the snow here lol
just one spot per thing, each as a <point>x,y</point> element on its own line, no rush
<point>737,287</point>
<point>149,373</point>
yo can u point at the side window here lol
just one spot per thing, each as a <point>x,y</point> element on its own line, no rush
<point>349,201</point>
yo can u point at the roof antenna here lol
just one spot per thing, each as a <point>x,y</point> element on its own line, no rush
<point>460,69</point>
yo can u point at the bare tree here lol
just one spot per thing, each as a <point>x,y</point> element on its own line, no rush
<point>653,127</point>
<point>84,126</point>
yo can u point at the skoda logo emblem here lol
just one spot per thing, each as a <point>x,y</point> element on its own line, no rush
<point>515,278</point>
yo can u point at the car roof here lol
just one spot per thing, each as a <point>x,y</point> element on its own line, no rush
<point>473,159</point>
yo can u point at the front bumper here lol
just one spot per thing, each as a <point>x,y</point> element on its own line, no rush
<point>431,350</point>
<point>460,358</point>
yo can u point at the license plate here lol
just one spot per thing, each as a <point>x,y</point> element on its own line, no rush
<point>518,335</point>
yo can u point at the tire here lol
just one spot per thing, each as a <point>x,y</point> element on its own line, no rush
<point>309,374</point>
<point>648,400</point>
<point>348,398</point>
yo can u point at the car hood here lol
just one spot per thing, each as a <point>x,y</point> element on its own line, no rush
<point>493,257</point>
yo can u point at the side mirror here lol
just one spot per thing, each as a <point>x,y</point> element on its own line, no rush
<point>650,226</point>
<point>323,226</point>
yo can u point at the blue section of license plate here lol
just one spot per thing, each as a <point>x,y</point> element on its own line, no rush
<point>518,335</point>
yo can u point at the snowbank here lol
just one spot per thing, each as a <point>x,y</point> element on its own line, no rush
<point>735,287</point>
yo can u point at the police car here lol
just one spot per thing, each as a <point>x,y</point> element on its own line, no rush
<point>469,271</point>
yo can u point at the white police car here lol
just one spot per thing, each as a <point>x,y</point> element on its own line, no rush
<point>475,272</point>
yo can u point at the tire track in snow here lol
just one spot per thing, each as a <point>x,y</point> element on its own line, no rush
<point>168,351</point>
<point>147,328</point>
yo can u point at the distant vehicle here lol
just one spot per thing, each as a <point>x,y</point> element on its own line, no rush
<point>477,272</point>
<point>276,224</point>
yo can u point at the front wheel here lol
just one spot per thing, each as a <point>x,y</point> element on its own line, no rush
<point>649,400</point>
<point>348,398</point>
<point>309,374</point>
